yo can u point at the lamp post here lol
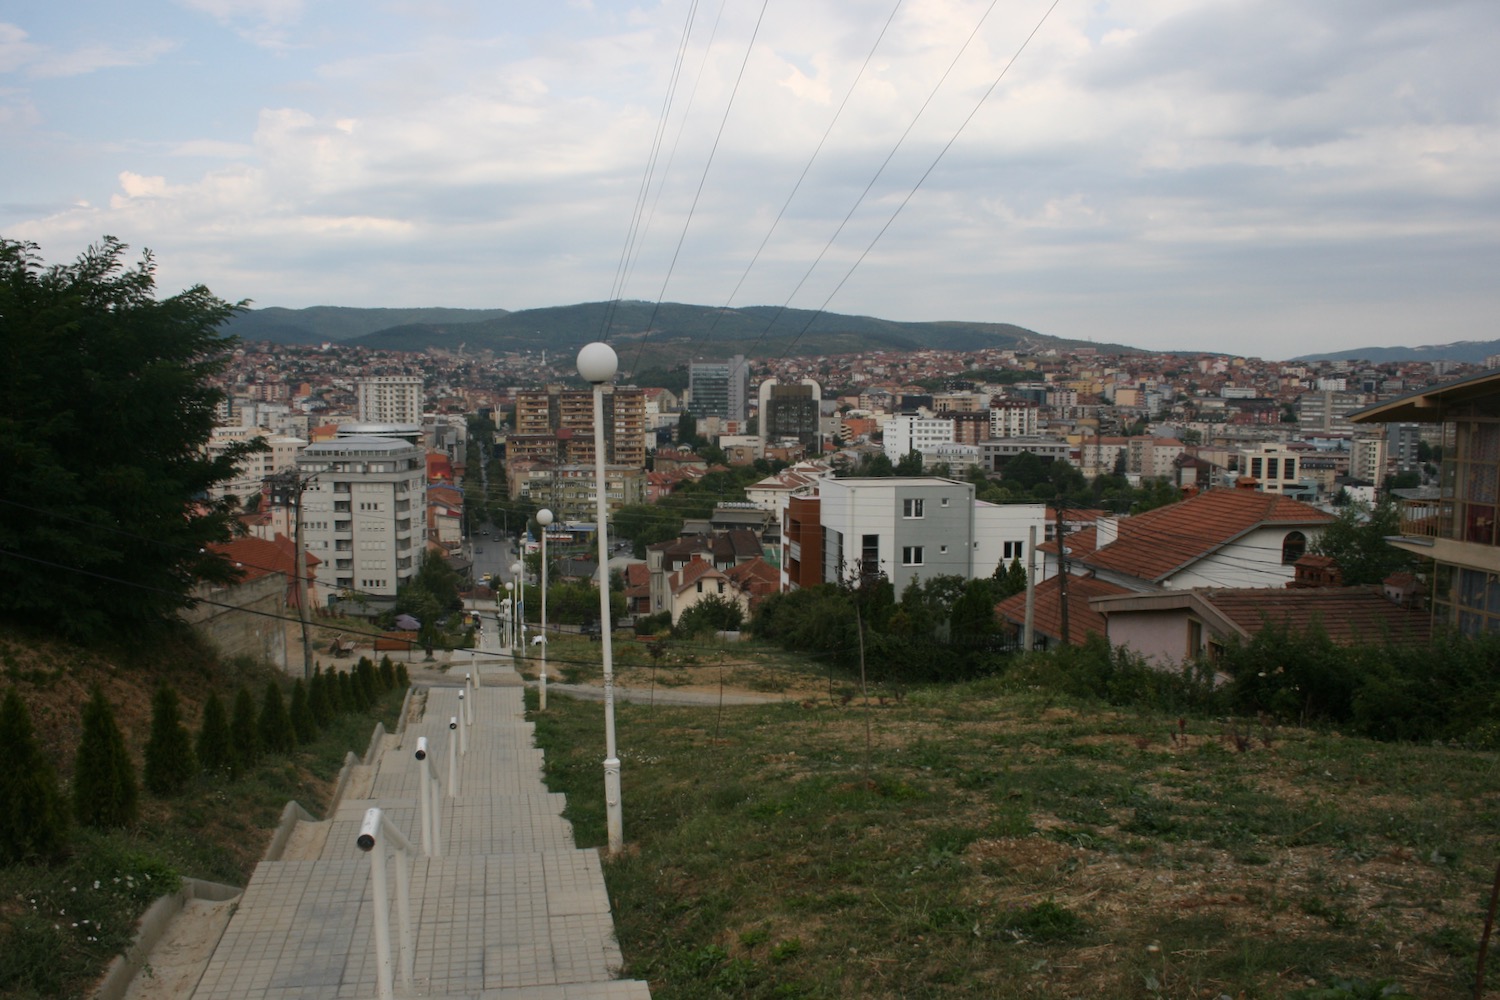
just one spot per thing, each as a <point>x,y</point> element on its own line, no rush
<point>597,364</point>
<point>510,614</point>
<point>518,573</point>
<point>544,519</point>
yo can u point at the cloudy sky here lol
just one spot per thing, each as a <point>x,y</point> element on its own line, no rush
<point>1265,177</point>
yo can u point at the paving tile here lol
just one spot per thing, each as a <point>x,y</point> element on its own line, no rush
<point>510,910</point>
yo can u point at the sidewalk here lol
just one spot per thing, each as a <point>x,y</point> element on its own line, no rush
<point>510,911</point>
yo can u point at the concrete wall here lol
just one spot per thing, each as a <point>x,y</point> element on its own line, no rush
<point>247,619</point>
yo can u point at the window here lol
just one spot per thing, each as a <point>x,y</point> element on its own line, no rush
<point>911,507</point>
<point>1293,547</point>
<point>1014,550</point>
<point>911,555</point>
<point>945,501</point>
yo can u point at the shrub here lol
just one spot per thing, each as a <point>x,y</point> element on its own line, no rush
<point>403,679</point>
<point>244,741</point>
<point>169,751</point>
<point>105,793</point>
<point>274,725</point>
<point>33,822</point>
<point>215,749</point>
<point>319,699</point>
<point>387,673</point>
<point>303,723</point>
<point>348,694</point>
<point>367,683</point>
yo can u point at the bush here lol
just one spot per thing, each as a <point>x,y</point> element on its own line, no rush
<point>215,749</point>
<point>33,822</point>
<point>387,674</point>
<point>319,699</point>
<point>367,683</point>
<point>303,723</point>
<point>169,751</point>
<point>244,740</point>
<point>403,679</point>
<point>348,694</point>
<point>274,725</point>
<point>105,793</point>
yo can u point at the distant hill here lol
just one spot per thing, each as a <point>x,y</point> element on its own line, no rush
<point>1465,351</point>
<point>319,323</point>
<point>677,331</point>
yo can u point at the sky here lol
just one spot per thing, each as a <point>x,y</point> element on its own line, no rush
<point>1258,177</point>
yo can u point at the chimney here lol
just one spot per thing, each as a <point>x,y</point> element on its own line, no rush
<point>1108,531</point>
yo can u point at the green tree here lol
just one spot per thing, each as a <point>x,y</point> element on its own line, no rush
<point>910,465</point>
<point>1024,471</point>
<point>105,405</point>
<point>105,793</point>
<point>170,762</point>
<point>1012,581</point>
<point>1356,539</point>
<point>713,613</point>
<point>33,820</point>
<point>215,750</point>
<point>973,619</point>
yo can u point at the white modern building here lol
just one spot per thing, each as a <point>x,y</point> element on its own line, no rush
<point>903,527</point>
<point>389,399</point>
<point>363,511</point>
<point>908,432</point>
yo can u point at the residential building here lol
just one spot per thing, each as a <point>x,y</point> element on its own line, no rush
<point>1274,467</point>
<point>719,388</point>
<point>389,399</point>
<point>253,470</point>
<point>908,432</point>
<point>903,527</point>
<point>1014,418</point>
<point>363,511</point>
<point>1367,458</point>
<point>1458,530</point>
<point>557,424</point>
<point>790,411</point>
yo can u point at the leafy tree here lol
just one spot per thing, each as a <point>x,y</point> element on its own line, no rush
<point>973,619</point>
<point>1025,471</point>
<point>170,762</point>
<point>714,613</point>
<point>33,820</point>
<point>910,465</point>
<point>1155,493</point>
<point>105,404</point>
<point>105,793</point>
<point>215,751</point>
<point>1357,540</point>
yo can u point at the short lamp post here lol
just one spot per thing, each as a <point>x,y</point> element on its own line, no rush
<point>597,364</point>
<point>510,614</point>
<point>544,520</point>
<point>518,572</point>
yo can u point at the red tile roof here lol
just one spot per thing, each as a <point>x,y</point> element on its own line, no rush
<point>1154,545</point>
<point>1047,611</point>
<point>1347,614</point>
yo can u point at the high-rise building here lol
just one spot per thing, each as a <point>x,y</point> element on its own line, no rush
<point>557,424</point>
<point>719,388</point>
<point>790,411</point>
<point>389,399</point>
<point>363,511</point>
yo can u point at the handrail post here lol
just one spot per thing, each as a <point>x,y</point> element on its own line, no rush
<point>432,828</point>
<point>452,761</point>
<point>463,727</point>
<point>372,833</point>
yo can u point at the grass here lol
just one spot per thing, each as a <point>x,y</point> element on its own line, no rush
<point>1008,844</point>
<point>61,923</point>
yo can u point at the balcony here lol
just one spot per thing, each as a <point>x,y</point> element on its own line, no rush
<point>1452,520</point>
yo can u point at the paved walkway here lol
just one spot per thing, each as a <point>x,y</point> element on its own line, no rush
<point>511,910</point>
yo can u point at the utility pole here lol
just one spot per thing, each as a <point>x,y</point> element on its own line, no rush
<point>1062,574</point>
<point>1030,589</point>
<point>286,488</point>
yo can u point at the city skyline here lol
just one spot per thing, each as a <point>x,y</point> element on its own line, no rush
<point>1252,178</point>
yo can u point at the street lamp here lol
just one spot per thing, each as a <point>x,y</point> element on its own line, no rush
<point>597,364</point>
<point>544,518</point>
<point>510,614</point>
<point>517,572</point>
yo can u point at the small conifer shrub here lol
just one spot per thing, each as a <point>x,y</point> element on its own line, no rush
<point>215,751</point>
<point>33,820</point>
<point>274,725</point>
<point>169,751</point>
<point>105,792</point>
<point>303,723</point>
<point>244,739</point>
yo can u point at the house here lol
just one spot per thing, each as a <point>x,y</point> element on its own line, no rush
<point>1217,538</point>
<point>697,580</point>
<point>1177,626</point>
<point>722,551</point>
<point>1458,530</point>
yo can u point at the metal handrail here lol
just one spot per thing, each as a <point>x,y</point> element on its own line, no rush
<point>374,834</point>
